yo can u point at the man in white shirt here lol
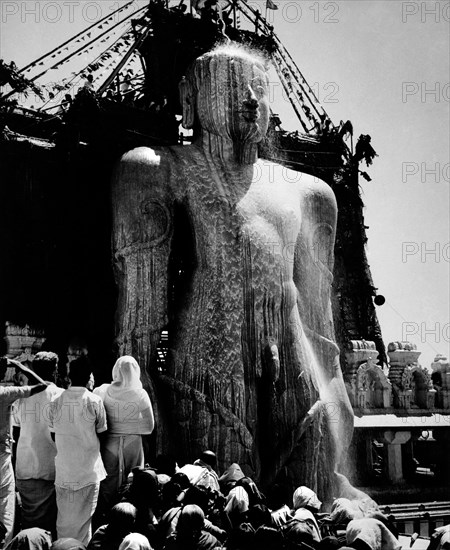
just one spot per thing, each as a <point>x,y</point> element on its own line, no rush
<point>202,472</point>
<point>8,394</point>
<point>36,451</point>
<point>77,416</point>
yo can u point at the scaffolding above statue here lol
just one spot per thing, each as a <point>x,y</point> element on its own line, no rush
<point>120,47</point>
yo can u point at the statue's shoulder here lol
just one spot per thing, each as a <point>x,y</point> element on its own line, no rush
<point>143,159</point>
<point>154,167</point>
<point>317,189</point>
<point>304,185</point>
<point>159,158</point>
<point>143,154</point>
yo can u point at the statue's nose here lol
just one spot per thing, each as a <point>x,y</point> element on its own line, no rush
<point>250,100</point>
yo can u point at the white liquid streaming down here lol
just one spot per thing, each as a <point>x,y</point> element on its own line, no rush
<point>328,402</point>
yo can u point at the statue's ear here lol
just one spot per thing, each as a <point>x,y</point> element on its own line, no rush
<point>187,100</point>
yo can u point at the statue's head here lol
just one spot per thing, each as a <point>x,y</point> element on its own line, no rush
<point>226,93</point>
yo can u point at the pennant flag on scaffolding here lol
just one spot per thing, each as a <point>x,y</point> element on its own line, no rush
<point>197,4</point>
<point>270,5</point>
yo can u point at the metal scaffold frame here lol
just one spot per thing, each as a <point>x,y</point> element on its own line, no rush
<point>115,57</point>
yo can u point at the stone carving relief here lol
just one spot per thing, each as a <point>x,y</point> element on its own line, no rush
<point>373,388</point>
<point>403,356</point>
<point>22,344</point>
<point>359,352</point>
<point>441,379</point>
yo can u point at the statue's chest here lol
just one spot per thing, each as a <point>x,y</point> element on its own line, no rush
<point>271,219</point>
<point>265,210</point>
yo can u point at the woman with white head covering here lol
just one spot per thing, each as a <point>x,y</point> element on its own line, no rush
<point>304,497</point>
<point>130,416</point>
<point>135,541</point>
<point>305,505</point>
<point>236,506</point>
<point>237,500</point>
<point>31,539</point>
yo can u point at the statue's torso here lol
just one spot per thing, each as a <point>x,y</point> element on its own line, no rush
<point>253,284</point>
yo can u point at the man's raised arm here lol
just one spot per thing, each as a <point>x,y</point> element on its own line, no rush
<point>40,384</point>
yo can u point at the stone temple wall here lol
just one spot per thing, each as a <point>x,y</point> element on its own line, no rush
<point>402,385</point>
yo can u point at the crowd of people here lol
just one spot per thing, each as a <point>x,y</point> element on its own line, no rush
<point>80,463</point>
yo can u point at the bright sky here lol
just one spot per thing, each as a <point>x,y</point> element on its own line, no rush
<point>383,64</point>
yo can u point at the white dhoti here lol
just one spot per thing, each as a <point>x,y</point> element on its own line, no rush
<point>75,511</point>
<point>120,453</point>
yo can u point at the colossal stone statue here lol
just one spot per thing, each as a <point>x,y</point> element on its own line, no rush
<point>233,256</point>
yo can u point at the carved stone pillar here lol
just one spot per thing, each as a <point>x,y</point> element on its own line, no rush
<point>402,357</point>
<point>441,376</point>
<point>393,441</point>
<point>372,384</point>
<point>359,352</point>
<point>431,398</point>
<point>423,395</point>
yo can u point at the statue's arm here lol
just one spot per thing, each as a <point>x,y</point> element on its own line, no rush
<point>319,222</point>
<point>142,231</point>
<point>314,255</point>
<point>313,274</point>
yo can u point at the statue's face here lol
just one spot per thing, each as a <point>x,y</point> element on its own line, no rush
<point>232,99</point>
